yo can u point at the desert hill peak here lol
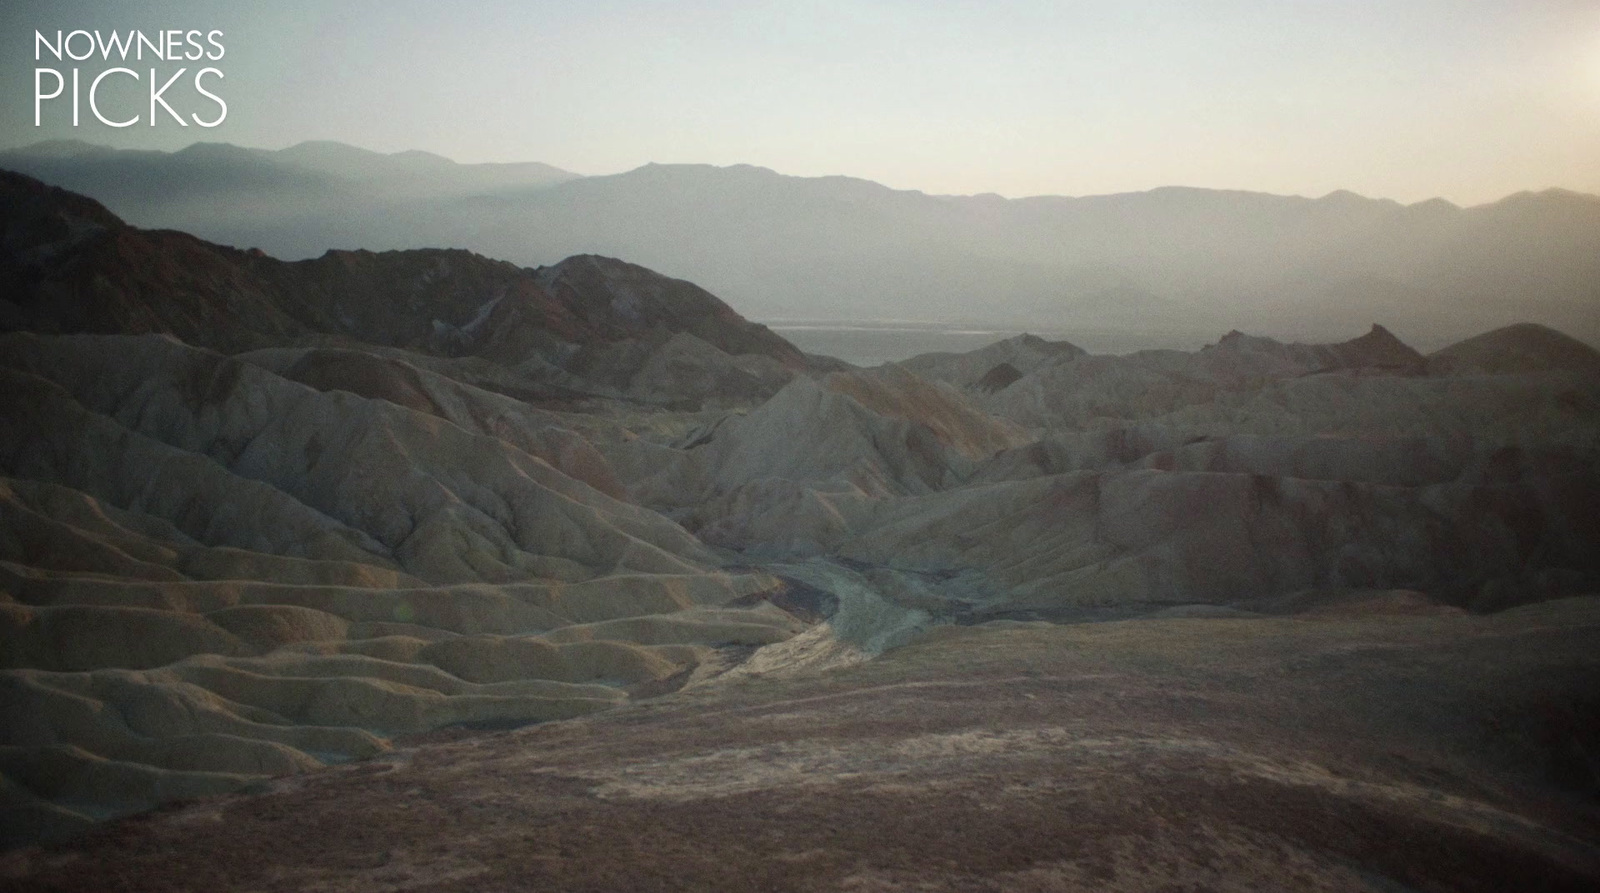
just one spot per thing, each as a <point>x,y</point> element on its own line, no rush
<point>1377,349</point>
<point>1522,347</point>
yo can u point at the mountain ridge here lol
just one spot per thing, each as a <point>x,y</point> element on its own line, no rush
<point>73,146</point>
<point>1187,260</point>
<point>73,266</point>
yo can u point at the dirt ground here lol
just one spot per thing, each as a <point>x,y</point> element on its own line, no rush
<point>1427,753</point>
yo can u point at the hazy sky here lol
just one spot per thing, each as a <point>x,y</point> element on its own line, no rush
<point>1409,99</point>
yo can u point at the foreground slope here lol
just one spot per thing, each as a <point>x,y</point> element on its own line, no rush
<point>1422,753</point>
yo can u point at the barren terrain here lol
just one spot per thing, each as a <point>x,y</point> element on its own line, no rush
<point>1357,752</point>
<point>420,570</point>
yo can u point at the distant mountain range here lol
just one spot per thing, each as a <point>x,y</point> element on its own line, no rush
<point>1175,263</point>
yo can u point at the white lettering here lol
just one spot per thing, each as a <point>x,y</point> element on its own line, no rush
<point>67,45</point>
<point>120,44</point>
<point>155,97</point>
<point>94,107</point>
<point>54,50</point>
<point>214,98</point>
<point>39,97</point>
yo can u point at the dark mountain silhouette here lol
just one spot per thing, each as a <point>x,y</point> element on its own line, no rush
<point>1178,262</point>
<point>143,176</point>
<point>1524,347</point>
<point>69,265</point>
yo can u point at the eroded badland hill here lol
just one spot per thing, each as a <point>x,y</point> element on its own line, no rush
<point>419,570</point>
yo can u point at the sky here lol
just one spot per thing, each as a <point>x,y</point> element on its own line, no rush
<point>1469,100</point>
